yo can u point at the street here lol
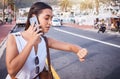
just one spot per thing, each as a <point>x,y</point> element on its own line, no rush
<point>102,61</point>
<point>90,24</point>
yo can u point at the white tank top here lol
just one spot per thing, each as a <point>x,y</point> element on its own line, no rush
<point>28,69</point>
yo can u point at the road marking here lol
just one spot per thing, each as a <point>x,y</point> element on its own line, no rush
<point>55,75</point>
<point>106,43</point>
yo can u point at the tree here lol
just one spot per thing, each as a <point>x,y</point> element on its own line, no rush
<point>65,4</point>
<point>105,1</point>
<point>86,4</point>
<point>97,6</point>
<point>11,4</point>
<point>101,1</point>
<point>5,3</point>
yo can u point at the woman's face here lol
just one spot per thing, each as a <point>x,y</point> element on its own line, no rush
<point>45,19</point>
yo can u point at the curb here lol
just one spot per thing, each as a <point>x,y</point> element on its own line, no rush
<point>78,26</point>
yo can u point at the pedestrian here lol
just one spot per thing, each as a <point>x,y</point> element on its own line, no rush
<point>6,19</point>
<point>96,23</point>
<point>61,22</point>
<point>102,27</point>
<point>9,19</point>
<point>113,27</point>
<point>23,47</point>
<point>118,25</point>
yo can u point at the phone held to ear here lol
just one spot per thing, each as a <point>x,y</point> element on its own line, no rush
<point>34,22</point>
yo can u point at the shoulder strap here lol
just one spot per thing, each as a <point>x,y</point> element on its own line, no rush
<point>48,54</point>
<point>18,41</point>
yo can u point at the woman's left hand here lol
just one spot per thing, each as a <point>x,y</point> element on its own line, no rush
<point>81,54</point>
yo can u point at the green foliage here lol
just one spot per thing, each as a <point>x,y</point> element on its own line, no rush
<point>105,1</point>
<point>65,4</point>
<point>86,4</point>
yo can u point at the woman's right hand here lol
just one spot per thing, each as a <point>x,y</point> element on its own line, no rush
<point>33,36</point>
<point>82,53</point>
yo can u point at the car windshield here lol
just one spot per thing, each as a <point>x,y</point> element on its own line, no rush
<point>55,20</point>
<point>22,18</point>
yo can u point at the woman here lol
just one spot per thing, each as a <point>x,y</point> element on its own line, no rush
<point>24,47</point>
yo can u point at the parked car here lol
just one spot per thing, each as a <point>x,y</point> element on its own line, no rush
<point>21,21</point>
<point>56,22</point>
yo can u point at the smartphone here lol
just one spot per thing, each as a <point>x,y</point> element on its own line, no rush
<point>34,22</point>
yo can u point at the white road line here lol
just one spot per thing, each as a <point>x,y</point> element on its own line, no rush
<point>110,44</point>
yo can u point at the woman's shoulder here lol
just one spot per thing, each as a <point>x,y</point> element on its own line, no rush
<point>11,36</point>
<point>10,40</point>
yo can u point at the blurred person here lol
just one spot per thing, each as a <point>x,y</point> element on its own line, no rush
<point>23,47</point>
<point>102,27</point>
<point>96,23</point>
<point>118,25</point>
<point>9,18</point>
<point>113,27</point>
<point>6,19</point>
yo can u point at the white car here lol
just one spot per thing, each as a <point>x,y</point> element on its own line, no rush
<point>56,22</point>
<point>21,21</point>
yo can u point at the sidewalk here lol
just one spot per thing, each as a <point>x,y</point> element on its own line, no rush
<point>78,26</point>
<point>5,29</point>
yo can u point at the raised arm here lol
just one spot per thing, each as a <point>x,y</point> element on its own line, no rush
<point>55,44</point>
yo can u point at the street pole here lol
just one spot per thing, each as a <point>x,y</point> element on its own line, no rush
<point>3,10</point>
<point>14,11</point>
